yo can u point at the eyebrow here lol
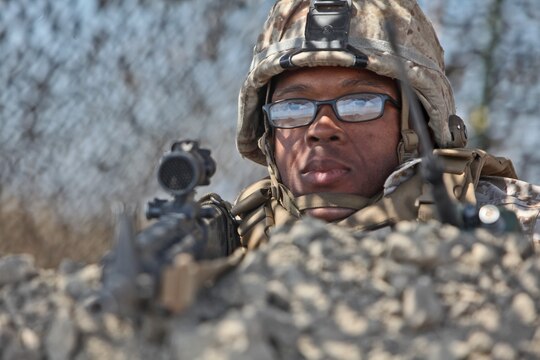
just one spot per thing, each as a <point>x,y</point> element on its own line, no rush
<point>345,83</point>
<point>291,89</point>
<point>356,82</point>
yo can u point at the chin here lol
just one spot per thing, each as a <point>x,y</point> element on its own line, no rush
<point>330,214</point>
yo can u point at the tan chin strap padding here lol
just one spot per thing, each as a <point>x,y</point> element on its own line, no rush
<point>278,190</point>
<point>331,200</point>
<point>408,145</point>
<point>266,148</point>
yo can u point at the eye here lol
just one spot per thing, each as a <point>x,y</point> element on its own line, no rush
<point>292,108</point>
<point>359,107</point>
<point>352,103</point>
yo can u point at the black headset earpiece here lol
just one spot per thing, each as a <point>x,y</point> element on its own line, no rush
<point>458,131</point>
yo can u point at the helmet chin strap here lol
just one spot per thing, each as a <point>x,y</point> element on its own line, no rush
<point>408,145</point>
<point>279,191</point>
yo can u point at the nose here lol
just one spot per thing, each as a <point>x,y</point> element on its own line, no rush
<point>325,128</point>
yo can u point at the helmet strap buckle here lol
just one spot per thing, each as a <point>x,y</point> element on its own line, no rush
<point>408,146</point>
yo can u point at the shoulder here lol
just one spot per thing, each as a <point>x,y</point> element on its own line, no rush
<point>498,190</point>
<point>516,195</point>
<point>260,188</point>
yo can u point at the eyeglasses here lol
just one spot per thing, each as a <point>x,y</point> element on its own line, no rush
<point>293,113</point>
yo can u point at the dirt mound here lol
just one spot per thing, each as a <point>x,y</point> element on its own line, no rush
<point>314,292</point>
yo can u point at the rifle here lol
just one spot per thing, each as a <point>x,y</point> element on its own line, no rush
<point>132,270</point>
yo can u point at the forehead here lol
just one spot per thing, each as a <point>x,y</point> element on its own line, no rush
<point>340,77</point>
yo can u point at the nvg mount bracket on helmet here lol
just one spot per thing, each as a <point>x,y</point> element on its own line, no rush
<point>327,29</point>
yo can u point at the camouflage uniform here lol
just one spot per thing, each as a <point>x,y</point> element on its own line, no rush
<point>516,195</point>
<point>471,177</point>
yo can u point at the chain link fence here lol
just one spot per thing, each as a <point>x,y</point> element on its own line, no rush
<point>94,91</point>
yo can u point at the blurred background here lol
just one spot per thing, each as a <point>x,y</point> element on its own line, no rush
<point>92,92</point>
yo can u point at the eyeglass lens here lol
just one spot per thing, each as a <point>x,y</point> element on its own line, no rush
<point>352,108</point>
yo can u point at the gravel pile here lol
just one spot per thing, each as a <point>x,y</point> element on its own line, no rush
<point>314,292</point>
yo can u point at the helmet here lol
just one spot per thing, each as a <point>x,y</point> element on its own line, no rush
<point>297,34</point>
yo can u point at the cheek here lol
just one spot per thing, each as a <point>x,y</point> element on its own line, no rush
<point>375,142</point>
<point>374,134</point>
<point>282,146</point>
<point>286,151</point>
<point>285,143</point>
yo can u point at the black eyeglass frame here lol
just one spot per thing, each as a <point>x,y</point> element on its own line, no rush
<point>333,102</point>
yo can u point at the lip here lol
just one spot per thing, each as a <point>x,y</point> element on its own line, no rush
<point>324,172</point>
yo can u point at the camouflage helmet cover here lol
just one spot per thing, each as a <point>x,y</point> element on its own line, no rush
<point>283,33</point>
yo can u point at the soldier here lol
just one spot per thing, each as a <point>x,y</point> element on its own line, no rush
<point>324,108</point>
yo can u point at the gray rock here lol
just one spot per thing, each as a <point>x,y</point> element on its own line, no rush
<point>481,342</point>
<point>519,245</point>
<point>529,276</point>
<point>278,295</point>
<point>525,308</point>
<point>62,337</point>
<point>482,254</point>
<point>30,340</point>
<point>13,352</point>
<point>82,282</point>
<point>16,268</point>
<point>421,307</point>
<point>504,351</point>
<point>419,251</point>
<point>313,292</point>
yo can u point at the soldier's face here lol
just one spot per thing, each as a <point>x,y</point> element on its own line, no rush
<point>330,155</point>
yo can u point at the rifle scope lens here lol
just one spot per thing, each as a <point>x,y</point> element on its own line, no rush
<point>178,174</point>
